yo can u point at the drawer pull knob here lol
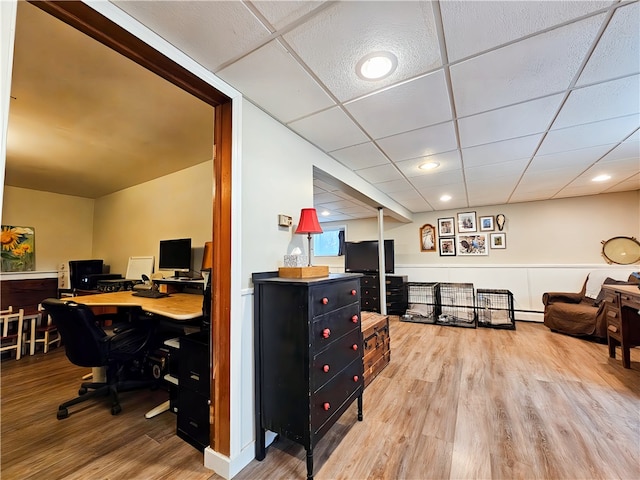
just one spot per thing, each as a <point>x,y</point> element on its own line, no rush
<point>326,405</point>
<point>354,346</point>
<point>353,292</point>
<point>325,333</point>
<point>354,319</point>
<point>325,368</point>
<point>356,378</point>
<point>612,328</point>
<point>325,300</point>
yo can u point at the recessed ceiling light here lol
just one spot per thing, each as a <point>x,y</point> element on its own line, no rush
<point>445,198</point>
<point>429,165</point>
<point>601,178</point>
<point>325,213</point>
<point>376,65</point>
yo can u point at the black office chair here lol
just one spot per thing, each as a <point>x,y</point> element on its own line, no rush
<point>88,345</point>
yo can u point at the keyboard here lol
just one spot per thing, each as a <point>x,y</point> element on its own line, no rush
<point>149,294</point>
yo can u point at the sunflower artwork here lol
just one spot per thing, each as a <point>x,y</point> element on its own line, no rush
<point>18,249</point>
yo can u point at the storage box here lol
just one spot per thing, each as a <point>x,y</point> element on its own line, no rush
<point>304,272</point>
<point>377,344</point>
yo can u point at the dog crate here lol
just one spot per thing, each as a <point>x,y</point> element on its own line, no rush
<point>423,302</point>
<point>495,309</point>
<point>457,305</point>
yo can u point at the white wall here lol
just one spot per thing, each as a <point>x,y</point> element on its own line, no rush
<point>63,224</point>
<point>132,222</point>
<point>7,34</point>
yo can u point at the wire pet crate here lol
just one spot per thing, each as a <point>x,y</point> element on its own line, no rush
<point>495,309</point>
<point>457,305</point>
<point>423,302</point>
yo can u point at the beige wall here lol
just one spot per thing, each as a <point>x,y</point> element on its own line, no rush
<point>63,224</point>
<point>131,222</point>
<point>563,231</point>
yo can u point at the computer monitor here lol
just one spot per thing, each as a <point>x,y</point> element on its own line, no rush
<point>175,255</point>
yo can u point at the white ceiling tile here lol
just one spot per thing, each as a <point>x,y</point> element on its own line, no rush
<point>407,194</point>
<point>538,66</point>
<point>457,191</point>
<point>578,159</point>
<point>329,130</point>
<point>325,197</point>
<point>414,104</point>
<point>360,156</point>
<point>626,150</point>
<point>394,186</point>
<point>270,77</point>
<point>619,170</point>
<point>338,205</point>
<point>347,31</point>
<point>572,190</point>
<point>211,33</point>
<point>418,143</point>
<point>509,122</point>
<point>447,161</point>
<point>381,173</point>
<point>504,170</point>
<point>324,185</point>
<point>591,134</point>
<point>437,178</point>
<point>632,183</point>
<point>635,137</point>
<point>335,217</point>
<point>498,152</point>
<point>616,98</point>
<point>355,210</point>
<point>618,51</point>
<point>472,27</point>
<point>280,14</point>
<point>552,179</point>
<point>417,205</point>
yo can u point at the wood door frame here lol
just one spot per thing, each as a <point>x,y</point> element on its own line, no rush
<point>83,18</point>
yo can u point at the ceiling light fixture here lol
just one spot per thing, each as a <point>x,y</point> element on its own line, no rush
<point>376,65</point>
<point>429,165</point>
<point>445,198</point>
<point>601,178</point>
<point>325,213</point>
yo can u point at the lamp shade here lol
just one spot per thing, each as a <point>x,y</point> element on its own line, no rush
<point>308,221</point>
<point>207,256</point>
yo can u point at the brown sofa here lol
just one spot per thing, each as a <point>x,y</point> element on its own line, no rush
<point>577,314</point>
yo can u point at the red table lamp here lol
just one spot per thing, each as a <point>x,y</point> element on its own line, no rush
<point>308,224</point>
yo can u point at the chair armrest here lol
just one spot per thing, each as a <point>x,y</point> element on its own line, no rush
<point>561,297</point>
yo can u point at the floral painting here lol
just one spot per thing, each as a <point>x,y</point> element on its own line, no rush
<point>18,249</point>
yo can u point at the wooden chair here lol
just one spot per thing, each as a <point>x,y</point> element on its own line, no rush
<point>11,325</point>
<point>44,331</point>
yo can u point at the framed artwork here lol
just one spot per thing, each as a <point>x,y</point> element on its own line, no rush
<point>500,220</point>
<point>427,238</point>
<point>447,247</point>
<point>473,244</point>
<point>498,240</point>
<point>446,226</point>
<point>18,249</point>
<point>486,224</point>
<point>467,222</point>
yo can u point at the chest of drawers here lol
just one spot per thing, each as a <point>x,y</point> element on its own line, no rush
<point>308,354</point>
<point>622,313</point>
<point>396,293</point>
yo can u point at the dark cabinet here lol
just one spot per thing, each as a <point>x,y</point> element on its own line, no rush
<point>194,389</point>
<point>308,354</point>
<point>396,293</point>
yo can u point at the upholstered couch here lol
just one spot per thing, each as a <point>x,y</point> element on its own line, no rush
<point>580,313</point>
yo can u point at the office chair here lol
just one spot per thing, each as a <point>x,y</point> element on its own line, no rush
<point>88,345</point>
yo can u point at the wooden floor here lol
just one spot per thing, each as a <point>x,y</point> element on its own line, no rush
<point>453,404</point>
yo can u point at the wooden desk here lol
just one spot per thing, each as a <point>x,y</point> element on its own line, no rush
<point>622,311</point>
<point>177,306</point>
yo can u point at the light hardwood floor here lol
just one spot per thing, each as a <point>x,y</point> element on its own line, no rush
<point>453,404</point>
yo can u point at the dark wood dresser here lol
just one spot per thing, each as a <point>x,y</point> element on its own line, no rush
<point>308,356</point>
<point>622,311</point>
<point>396,296</point>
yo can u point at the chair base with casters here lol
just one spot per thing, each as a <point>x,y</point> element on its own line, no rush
<point>119,360</point>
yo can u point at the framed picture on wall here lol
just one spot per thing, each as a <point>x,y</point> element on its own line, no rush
<point>447,247</point>
<point>467,222</point>
<point>446,226</point>
<point>486,224</point>
<point>498,240</point>
<point>427,238</point>
<point>473,244</point>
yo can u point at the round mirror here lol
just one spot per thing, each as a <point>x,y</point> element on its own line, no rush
<point>621,250</point>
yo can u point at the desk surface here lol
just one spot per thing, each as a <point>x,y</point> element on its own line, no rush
<point>178,306</point>
<point>630,289</point>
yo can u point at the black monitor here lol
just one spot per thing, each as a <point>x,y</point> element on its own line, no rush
<point>175,255</point>
<point>362,257</point>
<point>80,270</point>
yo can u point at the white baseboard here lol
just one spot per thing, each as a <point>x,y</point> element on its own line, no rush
<point>229,468</point>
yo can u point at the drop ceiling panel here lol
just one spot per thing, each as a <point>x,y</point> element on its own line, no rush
<point>538,66</point>
<point>612,99</point>
<point>632,183</point>
<point>591,134</point>
<point>509,122</point>
<point>626,150</point>
<point>472,27</point>
<point>280,14</point>
<point>498,152</point>
<point>410,105</point>
<point>437,178</point>
<point>447,161</point>
<point>394,186</point>
<point>579,159</point>
<point>380,173</point>
<point>360,156</point>
<point>618,51</point>
<point>270,76</point>
<point>347,31</point>
<point>512,169</point>
<point>325,197</point>
<point>422,142</point>
<point>329,130</point>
